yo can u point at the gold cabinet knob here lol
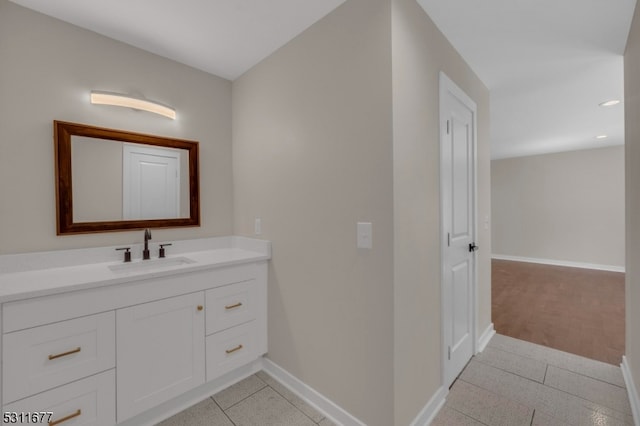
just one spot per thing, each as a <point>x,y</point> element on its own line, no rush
<point>200,307</point>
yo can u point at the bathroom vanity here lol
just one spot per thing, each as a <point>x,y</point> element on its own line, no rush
<point>88,339</point>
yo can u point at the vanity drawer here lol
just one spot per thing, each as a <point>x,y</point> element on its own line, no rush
<point>230,348</point>
<point>230,305</point>
<point>87,402</point>
<point>44,357</point>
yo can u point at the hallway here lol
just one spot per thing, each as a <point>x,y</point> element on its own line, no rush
<point>513,382</point>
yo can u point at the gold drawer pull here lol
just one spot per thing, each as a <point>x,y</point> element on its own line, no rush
<point>73,351</point>
<point>237,348</point>
<point>237,305</point>
<point>64,419</point>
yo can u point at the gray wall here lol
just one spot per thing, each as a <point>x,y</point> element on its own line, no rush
<point>48,69</point>
<point>312,156</point>
<point>564,207</point>
<point>340,126</point>
<point>420,52</point>
<point>632,180</point>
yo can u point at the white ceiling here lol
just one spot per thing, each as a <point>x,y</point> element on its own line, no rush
<point>548,63</point>
<point>222,37</point>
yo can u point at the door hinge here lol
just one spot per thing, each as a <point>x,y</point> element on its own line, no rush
<point>448,126</point>
<point>448,239</point>
<point>449,353</point>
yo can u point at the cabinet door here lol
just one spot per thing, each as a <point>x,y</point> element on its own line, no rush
<point>230,305</point>
<point>86,402</point>
<point>231,349</point>
<point>160,352</point>
<point>51,355</point>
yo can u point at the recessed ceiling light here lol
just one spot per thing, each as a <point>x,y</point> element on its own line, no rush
<point>612,102</point>
<point>602,137</point>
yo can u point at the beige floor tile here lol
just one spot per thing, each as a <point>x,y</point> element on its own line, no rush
<point>500,382</point>
<point>558,404</point>
<point>576,411</point>
<point>450,417</point>
<point>590,389</point>
<point>541,419</point>
<point>241,390</point>
<point>267,408</point>
<point>326,422</point>
<point>291,397</point>
<point>517,364</point>
<point>487,407</point>
<point>205,413</point>
<point>578,364</point>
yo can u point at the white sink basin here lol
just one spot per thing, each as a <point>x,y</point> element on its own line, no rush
<point>150,265</point>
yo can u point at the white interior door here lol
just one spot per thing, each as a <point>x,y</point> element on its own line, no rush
<point>458,188</point>
<point>151,182</point>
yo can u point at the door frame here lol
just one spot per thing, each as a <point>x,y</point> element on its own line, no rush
<point>447,86</point>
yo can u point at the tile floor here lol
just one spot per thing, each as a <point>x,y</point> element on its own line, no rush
<point>513,382</point>
<point>258,400</point>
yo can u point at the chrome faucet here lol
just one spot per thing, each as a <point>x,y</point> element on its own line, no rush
<point>145,252</point>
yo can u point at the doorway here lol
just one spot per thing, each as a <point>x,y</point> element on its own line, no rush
<point>458,114</point>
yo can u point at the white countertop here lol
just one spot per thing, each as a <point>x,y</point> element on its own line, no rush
<point>23,276</point>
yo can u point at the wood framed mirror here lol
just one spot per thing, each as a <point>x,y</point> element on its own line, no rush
<point>113,180</point>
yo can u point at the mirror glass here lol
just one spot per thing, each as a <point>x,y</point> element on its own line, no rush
<point>136,181</point>
<point>111,180</point>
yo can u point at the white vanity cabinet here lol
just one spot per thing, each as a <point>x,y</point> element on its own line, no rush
<point>160,352</point>
<point>232,335</point>
<point>138,348</point>
<point>41,367</point>
<point>41,358</point>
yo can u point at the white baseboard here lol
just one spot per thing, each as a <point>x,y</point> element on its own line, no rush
<point>331,410</point>
<point>631,390</point>
<point>484,338</point>
<point>430,411</point>
<point>568,263</point>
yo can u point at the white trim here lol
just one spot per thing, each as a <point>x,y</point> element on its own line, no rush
<point>484,338</point>
<point>631,390</point>
<point>567,263</point>
<point>430,411</point>
<point>324,405</point>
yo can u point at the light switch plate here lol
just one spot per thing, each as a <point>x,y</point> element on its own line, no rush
<point>365,235</point>
<point>257,226</point>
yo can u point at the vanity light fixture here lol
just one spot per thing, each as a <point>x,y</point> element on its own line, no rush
<point>612,102</point>
<point>117,99</point>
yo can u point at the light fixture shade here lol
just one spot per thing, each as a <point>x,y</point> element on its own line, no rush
<point>117,99</point>
<point>610,103</point>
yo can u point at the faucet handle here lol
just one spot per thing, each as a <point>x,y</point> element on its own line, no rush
<point>162,250</point>
<point>127,253</point>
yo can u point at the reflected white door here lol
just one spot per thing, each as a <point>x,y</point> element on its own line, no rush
<point>457,151</point>
<point>151,187</point>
